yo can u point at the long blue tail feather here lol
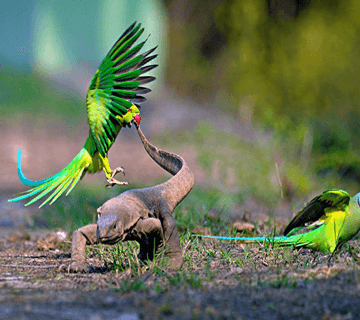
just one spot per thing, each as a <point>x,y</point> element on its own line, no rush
<point>26,181</point>
<point>54,185</point>
<point>244,238</point>
<point>297,240</point>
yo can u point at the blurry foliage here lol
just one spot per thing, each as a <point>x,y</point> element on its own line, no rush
<point>288,67</point>
<point>193,35</point>
<point>237,170</point>
<point>296,60</point>
<point>297,68</point>
<point>243,169</point>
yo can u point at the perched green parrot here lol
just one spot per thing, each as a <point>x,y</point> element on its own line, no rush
<point>110,100</point>
<point>330,219</point>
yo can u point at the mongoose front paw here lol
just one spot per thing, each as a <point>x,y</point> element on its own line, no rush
<point>77,266</point>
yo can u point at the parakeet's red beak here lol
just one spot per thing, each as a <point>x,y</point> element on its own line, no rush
<point>137,118</point>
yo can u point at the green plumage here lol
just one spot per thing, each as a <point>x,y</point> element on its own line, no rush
<point>115,86</point>
<point>111,104</point>
<point>330,220</point>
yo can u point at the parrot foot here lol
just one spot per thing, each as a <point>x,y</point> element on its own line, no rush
<point>116,171</point>
<point>112,182</point>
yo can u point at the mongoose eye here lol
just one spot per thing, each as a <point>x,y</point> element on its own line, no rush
<point>114,226</point>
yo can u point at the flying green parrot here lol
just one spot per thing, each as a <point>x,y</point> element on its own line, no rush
<point>110,100</point>
<point>330,219</point>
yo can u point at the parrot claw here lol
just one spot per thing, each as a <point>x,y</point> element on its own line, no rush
<point>117,170</point>
<point>112,182</point>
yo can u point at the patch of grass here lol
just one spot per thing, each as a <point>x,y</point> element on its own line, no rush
<point>135,284</point>
<point>215,264</point>
<point>37,280</point>
<point>185,278</point>
<point>207,263</point>
<point>166,308</point>
<point>243,168</point>
<point>282,280</point>
<point>192,212</point>
<point>120,257</point>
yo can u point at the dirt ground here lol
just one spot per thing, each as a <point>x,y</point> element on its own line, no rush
<point>35,284</point>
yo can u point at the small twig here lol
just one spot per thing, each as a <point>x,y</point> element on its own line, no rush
<point>279,180</point>
<point>186,245</point>
<point>94,247</point>
<point>137,260</point>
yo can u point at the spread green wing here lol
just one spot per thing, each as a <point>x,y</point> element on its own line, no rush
<point>116,86</point>
<point>315,209</point>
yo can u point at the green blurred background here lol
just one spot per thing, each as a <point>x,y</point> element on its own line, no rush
<point>260,97</point>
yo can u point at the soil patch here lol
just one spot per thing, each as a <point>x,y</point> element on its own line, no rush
<point>36,285</point>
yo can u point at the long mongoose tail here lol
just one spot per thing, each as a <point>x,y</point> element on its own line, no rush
<point>176,188</point>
